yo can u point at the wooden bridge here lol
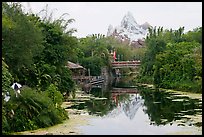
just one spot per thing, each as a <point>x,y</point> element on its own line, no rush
<point>125,64</point>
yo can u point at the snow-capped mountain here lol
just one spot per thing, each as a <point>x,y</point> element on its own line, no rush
<point>129,31</point>
<point>128,107</point>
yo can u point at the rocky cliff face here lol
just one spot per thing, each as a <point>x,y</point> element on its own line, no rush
<point>129,31</point>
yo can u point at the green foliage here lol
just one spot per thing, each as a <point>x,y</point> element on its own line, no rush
<point>59,48</point>
<point>94,53</point>
<point>173,59</point>
<point>195,35</point>
<point>54,94</point>
<point>177,66</point>
<point>35,53</point>
<point>94,64</point>
<point>6,78</point>
<point>155,43</point>
<point>5,122</point>
<point>21,39</point>
<point>6,87</point>
<point>44,46</point>
<point>66,83</point>
<point>139,53</point>
<point>124,51</point>
<point>32,110</point>
<point>6,81</point>
<point>36,50</point>
<point>55,52</point>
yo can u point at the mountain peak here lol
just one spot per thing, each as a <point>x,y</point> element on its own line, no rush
<point>129,31</point>
<point>128,20</point>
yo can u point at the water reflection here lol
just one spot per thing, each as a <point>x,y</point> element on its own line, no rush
<point>130,107</point>
<point>161,107</point>
<point>119,100</point>
<point>165,107</point>
<point>128,103</point>
<point>137,110</point>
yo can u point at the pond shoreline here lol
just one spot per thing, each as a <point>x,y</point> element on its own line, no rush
<point>82,118</point>
<point>68,127</point>
<point>190,94</point>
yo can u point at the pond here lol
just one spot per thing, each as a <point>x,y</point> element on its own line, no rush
<point>136,110</point>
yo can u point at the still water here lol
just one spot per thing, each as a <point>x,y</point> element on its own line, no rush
<point>141,111</point>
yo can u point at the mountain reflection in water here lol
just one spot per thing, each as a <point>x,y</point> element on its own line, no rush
<point>142,110</point>
<point>129,106</point>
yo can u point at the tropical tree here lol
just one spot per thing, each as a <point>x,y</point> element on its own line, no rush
<point>173,59</point>
<point>93,53</point>
<point>21,39</point>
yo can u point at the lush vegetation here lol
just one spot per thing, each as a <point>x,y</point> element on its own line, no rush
<point>94,53</point>
<point>35,52</point>
<point>173,59</point>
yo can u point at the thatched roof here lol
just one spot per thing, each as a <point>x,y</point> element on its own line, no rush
<point>72,65</point>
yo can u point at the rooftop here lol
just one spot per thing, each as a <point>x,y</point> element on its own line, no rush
<point>72,65</point>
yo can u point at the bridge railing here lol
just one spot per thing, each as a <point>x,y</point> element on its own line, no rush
<point>125,63</point>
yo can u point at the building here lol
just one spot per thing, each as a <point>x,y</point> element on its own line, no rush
<point>77,70</point>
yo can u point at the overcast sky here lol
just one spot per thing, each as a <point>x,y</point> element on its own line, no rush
<point>95,17</point>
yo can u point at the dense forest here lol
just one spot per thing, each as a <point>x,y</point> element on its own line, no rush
<point>35,52</point>
<point>173,59</point>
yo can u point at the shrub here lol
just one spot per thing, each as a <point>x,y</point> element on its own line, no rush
<point>32,110</point>
<point>53,93</point>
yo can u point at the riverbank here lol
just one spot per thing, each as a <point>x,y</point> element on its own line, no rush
<point>182,93</point>
<point>68,127</point>
<point>78,118</point>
